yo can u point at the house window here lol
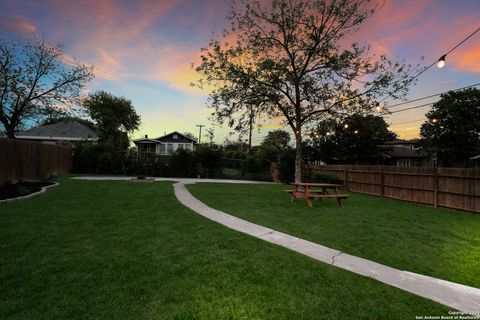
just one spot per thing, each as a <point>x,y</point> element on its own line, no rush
<point>188,146</point>
<point>170,148</point>
<point>404,163</point>
<point>163,149</point>
<point>147,148</point>
<point>175,136</point>
<point>180,146</point>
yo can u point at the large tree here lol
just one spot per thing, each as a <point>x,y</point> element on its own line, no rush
<point>115,117</point>
<point>355,139</point>
<point>452,129</point>
<point>34,79</point>
<point>288,59</point>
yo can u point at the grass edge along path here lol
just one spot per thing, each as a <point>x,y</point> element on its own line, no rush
<point>460,297</point>
<point>120,250</point>
<point>440,243</point>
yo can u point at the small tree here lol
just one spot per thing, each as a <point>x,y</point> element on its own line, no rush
<point>273,145</point>
<point>34,79</point>
<point>210,135</point>
<point>286,60</point>
<point>452,129</point>
<point>114,117</point>
<point>355,139</point>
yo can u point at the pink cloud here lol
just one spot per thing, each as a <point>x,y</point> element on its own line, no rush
<point>17,24</point>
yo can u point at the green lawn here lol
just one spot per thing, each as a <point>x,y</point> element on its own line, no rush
<point>436,242</point>
<point>120,250</point>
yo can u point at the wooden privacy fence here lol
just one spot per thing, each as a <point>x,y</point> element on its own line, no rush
<point>29,160</point>
<point>441,187</point>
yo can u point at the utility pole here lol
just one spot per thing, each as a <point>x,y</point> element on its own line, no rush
<point>200,133</point>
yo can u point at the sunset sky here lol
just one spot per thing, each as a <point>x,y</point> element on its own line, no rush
<point>143,50</point>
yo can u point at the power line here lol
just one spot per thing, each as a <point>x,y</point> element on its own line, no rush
<point>433,95</point>
<point>458,45</point>
<point>428,104</point>
<point>411,108</point>
<point>396,124</point>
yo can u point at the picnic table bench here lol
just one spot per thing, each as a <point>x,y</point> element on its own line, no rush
<point>302,190</point>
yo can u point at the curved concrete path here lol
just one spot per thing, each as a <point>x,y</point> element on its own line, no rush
<point>460,297</point>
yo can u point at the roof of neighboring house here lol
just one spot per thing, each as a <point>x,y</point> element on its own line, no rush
<point>475,157</point>
<point>168,138</point>
<point>145,140</point>
<point>68,130</point>
<point>402,152</point>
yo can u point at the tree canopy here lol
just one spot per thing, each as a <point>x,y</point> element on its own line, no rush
<point>353,140</point>
<point>452,129</point>
<point>288,59</point>
<point>35,80</point>
<point>273,145</point>
<point>114,116</point>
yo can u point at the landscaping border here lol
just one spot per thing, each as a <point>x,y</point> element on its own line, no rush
<point>31,195</point>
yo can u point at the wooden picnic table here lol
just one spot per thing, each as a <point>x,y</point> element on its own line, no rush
<point>319,191</point>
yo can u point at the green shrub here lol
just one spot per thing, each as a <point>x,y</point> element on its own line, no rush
<point>182,164</point>
<point>210,161</point>
<point>98,158</point>
<point>321,177</point>
<point>286,165</point>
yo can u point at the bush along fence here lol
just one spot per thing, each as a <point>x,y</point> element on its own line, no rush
<point>440,187</point>
<point>205,162</point>
<point>32,161</point>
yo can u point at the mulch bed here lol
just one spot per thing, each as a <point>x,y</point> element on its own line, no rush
<point>15,190</point>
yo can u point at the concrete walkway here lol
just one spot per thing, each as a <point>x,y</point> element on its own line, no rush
<point>454,295</point>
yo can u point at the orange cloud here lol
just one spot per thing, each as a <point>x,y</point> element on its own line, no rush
<point>467,56</point>
<point>469,60</point>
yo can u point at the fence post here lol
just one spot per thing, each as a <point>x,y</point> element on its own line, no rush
<point>435,187</point>
<point>382,182</point>
<point>346,178</point>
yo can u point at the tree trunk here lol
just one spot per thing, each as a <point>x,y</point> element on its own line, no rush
<point>10,131</point>
<point>298,156</point>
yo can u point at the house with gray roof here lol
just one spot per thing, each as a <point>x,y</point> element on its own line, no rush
<point>68,131</point>
<point>405,153</point>
<point>166,144</point>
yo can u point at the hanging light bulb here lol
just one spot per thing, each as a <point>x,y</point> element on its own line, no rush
<point>434,120</point>
<point>345,125</point>
<point>378,108</point>
<point>356,131</point>
<point>441,61</point>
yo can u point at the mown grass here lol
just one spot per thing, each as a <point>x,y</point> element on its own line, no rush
<point>120,250</point>
<point>436,242</point>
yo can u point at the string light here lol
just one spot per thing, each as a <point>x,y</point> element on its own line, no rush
<point>345,125</point>
<point>441,61</point>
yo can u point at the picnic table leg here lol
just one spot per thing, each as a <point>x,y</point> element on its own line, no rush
<point>309,202</point>
<point>292,199</point>
<point>307,196</point>
<point>339,201</point>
